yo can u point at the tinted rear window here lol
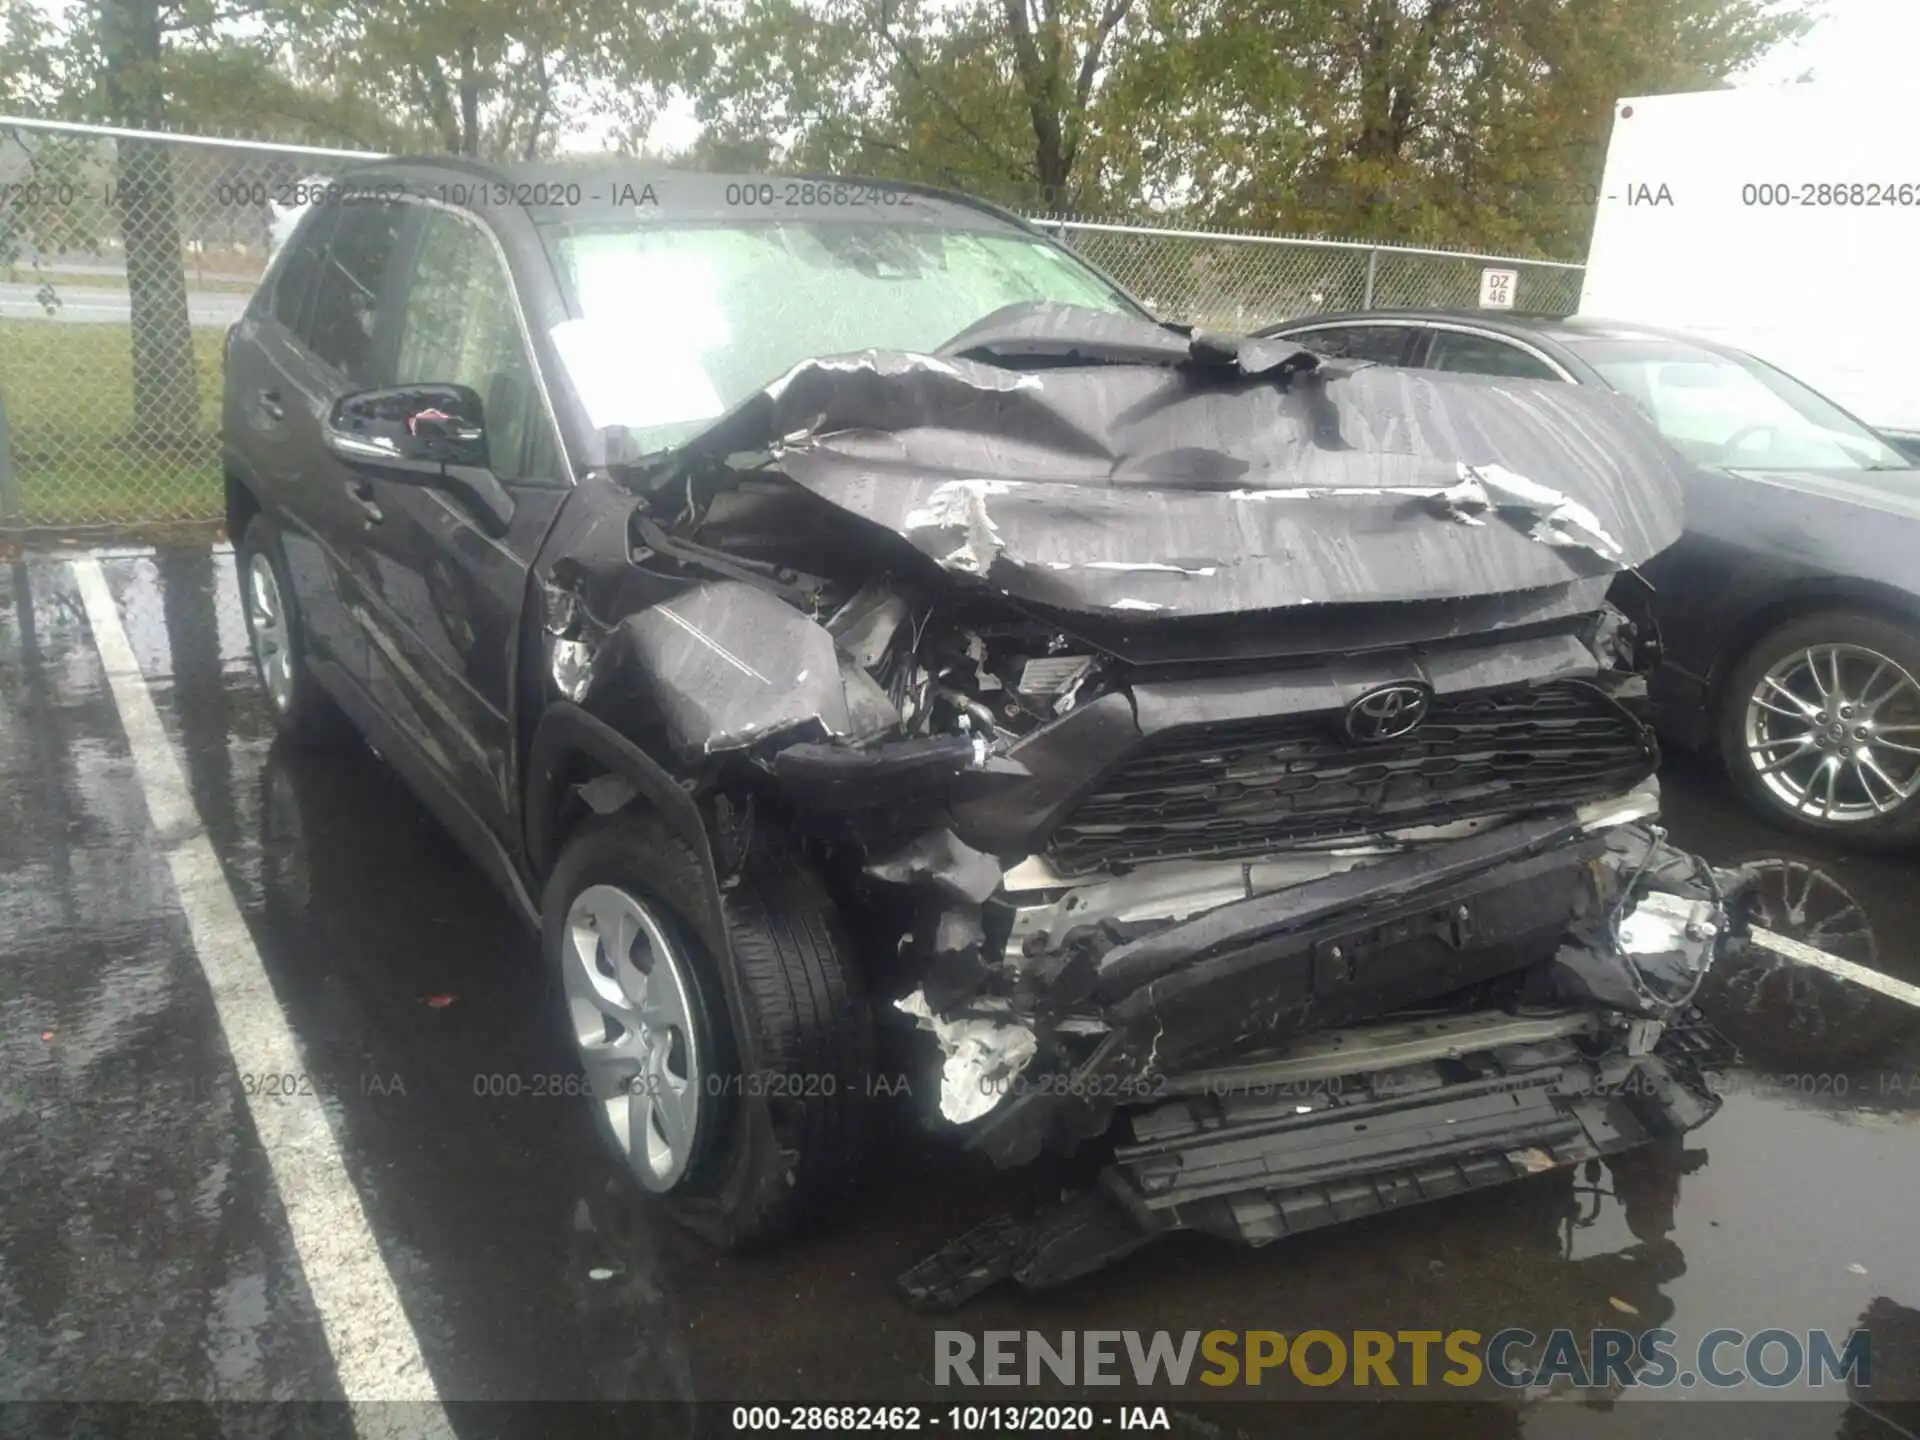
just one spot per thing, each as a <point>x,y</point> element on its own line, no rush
<point>299,270</point>
<point>1466,354</point>
<point>352,285</point>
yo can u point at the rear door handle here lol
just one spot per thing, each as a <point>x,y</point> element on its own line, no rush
<point>270,406</point>
<point>362,493</point>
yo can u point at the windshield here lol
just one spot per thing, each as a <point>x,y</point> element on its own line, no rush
<point>1736,412</point>
<point>678,325</point>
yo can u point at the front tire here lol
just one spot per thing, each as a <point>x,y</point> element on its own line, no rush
<point>743,1151</point>
<point>1820,728</point>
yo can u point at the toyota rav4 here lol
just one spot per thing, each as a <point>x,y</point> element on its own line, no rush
<point>834,611</point>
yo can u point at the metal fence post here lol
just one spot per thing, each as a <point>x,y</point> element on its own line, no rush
<point>1373,268</point>
<point>9,490</point>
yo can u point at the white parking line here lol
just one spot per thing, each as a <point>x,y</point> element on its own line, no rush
<point>375,1350</point>
<point>1791,949</point>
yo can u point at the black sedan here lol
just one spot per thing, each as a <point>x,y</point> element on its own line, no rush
<point>1790,610</point>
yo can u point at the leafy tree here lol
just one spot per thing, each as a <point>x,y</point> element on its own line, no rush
<point>1479,122</point>
<point>1451,121</point>
<point>1004,97</point>
<point>501,78</point>
<point>30,75</point>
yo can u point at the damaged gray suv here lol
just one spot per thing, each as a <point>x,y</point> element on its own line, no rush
<point>841,618</point>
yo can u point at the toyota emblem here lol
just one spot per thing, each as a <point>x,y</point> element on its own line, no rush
<point>1390,713</point>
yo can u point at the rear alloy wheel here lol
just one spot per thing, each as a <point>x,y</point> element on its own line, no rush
<point>267,619</point>
<point>301,710</point>
<point>1821,728</point>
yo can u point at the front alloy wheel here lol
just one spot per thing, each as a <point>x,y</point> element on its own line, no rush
<point>1822,728</point>
<point>745,1129</point>
<point>630,997</point>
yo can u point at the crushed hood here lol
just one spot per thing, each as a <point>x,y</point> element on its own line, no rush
<point>1097,463</point>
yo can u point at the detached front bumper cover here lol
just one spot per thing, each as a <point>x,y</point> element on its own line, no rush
<point>1306,1057</point>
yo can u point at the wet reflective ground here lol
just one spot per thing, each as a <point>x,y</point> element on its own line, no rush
<point>144,1251</point>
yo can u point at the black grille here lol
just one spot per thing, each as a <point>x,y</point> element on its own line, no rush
<point>1245,788</point>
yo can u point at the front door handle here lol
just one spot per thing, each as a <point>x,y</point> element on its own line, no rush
<point>362,493</point>
<point>270,405</point>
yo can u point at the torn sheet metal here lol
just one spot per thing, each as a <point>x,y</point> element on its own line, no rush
<point>959,508</point>
<point>728,665</point>
<point>1143,489</point>
<point>983,1057</point>
<point>938,858</point>
<point>1557,518</point>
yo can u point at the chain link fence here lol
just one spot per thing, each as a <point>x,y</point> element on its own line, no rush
<point>1240,282</point>
<point>124,257</point>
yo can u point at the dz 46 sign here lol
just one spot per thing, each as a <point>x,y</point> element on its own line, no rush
<point>1496,289</point>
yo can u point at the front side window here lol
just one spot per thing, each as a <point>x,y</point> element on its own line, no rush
<point>1735,411</point>
<point>458,327</point>
<point>677,325</point>
<point>347,298</point>
<point>1482,355</point>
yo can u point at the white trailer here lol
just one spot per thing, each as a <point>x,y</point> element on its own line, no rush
<point>1784,220</point>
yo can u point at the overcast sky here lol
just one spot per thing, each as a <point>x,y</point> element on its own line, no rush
<point>1857,42</point>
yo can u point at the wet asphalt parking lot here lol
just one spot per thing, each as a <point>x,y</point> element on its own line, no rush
<point>407,1226</point>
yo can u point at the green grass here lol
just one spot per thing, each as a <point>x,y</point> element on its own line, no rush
<point>68,391</point>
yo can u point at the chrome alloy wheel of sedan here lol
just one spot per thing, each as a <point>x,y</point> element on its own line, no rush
<point>630,997</point>
<point>1833,732</point>
<point>267,622</point>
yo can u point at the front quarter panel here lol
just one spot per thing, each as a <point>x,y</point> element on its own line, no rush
<point>585,582</point>
<point>1759,547</point>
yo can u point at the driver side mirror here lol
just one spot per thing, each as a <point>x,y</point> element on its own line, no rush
<point>428,435</point>
<point>408,426</point>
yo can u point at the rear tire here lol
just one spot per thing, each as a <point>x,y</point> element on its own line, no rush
<point>1849,684</point>
<point>765,1149</point>
<point>277,638</point>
